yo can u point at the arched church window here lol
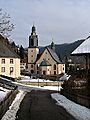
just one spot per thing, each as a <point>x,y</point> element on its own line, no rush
<point>31,66</point>
<point>31,55</point>
<point>32,71</point>
<point>54,72</point>
<point>54,67</point>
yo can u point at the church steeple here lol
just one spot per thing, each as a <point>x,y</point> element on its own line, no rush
<point>53,46</point>
<point>33,29</point>
<point>33,38</point>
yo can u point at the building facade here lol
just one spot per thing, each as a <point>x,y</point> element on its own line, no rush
<point>9,60</point>
<point>45,63</point>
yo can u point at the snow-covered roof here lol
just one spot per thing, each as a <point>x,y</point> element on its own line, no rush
<point>84,48</point>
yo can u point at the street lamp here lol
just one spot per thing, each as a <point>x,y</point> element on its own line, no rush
<point>38,82</point>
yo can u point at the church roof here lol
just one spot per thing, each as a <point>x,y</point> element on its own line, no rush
<point>45,63</point>
<point>6,51</point>
<point>54,55</point>
<point>84,48</point>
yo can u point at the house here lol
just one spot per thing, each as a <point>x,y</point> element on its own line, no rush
<point>84,50</point>
<point>9,60</point>
<point>45,63</point>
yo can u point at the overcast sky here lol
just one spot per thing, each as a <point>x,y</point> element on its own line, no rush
<point>63,20</point>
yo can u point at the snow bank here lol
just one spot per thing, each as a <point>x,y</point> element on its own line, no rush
<point>34,80</point>
<point>56,88</point>
<point>64,77</point>
<point>11,113</point>
<point>76,110</point>
<point>3,93</point>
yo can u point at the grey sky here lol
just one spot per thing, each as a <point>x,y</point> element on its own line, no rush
<point>63,20</point>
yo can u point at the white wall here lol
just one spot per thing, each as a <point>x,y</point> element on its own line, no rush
<point>7,65</point>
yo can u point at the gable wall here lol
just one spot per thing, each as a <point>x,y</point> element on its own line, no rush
<point>46,55</point>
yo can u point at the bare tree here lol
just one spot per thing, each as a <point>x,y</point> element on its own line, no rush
<point>5,24</point>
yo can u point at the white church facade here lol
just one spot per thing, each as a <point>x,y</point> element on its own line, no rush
<point>45,63</point>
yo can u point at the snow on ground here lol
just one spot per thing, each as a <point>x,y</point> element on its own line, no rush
<point>76,110</point>
<point>3,93</point>
<point>11,113</point>
<point>28,79</point>
<point>56,88</point>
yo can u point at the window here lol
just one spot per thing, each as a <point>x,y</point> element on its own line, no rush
<point>31,60</point>
<point>31,50</point>
<point>11,69</point>
<point>54,67</point>
<point>31,66</point>
<point>54,72</point>
<point>2,69</point>
<point>63,68</point>
<point>32,71</point>
<point>11,61</point>
<point>44,72</point>
<point>31,55</point>
<point>3,61</point>
<point>32,42</point>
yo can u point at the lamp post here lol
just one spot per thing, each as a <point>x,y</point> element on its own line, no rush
<point>38,82</point>
<point>58,85</point>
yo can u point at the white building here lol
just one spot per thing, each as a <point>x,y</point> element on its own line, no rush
<point>9,60</point>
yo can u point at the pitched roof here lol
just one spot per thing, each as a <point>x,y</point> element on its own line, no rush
<point>54,55</point>
<point>6,51</point>
<point>84,48</point>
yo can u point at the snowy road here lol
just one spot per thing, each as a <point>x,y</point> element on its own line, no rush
<point>38,105</point>
<point>67,108</point>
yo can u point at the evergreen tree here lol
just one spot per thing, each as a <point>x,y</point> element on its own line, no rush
<point>21,54</point>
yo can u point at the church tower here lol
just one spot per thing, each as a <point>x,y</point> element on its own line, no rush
<point>33,50</point>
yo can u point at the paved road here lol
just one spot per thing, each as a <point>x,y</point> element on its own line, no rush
<point>38,105</point>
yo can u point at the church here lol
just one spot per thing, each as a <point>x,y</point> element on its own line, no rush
<point>45,63</point>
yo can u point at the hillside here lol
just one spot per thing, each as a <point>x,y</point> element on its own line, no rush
<point>66,49</point>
